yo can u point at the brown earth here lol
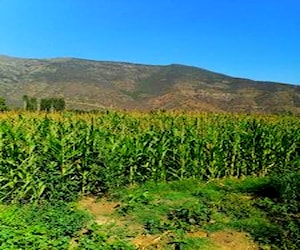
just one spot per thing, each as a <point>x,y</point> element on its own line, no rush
<point>102,210</point>
<point>231,240</point>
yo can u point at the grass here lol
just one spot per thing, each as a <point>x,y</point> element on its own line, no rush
<point>46,227</point>
<point>193,206</point>
<point>52,227</point>
<point>184,214</point>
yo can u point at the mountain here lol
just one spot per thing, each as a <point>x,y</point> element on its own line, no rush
<point>87,84</point>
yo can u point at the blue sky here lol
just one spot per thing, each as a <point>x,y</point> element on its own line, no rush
<point>256,39</point>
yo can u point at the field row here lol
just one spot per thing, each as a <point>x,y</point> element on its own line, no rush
<point>59,156</point>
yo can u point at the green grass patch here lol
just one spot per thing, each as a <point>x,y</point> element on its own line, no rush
<point>191,205</point>
<point>39,227</point>
<point>178,212</point>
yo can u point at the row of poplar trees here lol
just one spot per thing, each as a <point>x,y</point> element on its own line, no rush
<point>45,104</point>
<point>3,106</point>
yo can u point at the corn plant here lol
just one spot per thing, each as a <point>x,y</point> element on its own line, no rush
<point>61,156</point>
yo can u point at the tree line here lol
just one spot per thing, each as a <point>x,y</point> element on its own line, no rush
<point>3,106</point>
<point>45,104</point>
<point>33,104</point>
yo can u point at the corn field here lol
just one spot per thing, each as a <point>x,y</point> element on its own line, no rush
<point>60,156</point>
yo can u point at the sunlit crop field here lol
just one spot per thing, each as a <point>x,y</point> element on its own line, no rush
<point>49,156</point>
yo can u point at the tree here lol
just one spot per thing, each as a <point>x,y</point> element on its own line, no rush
<point>58,104</point>
<point>3,106</point>
<point>52,104</point>
<point>32,104</point>
<point>25,102</point>
<point>46,104</point>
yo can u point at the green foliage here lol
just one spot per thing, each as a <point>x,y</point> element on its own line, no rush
<point>176,209</point>
<point>278,197</point>
<point>43,227</point>
<point>62,156</point>
<point>251,164</point>
<point>230,203</point>
<point>287,186</point>
<point>52,104</point>
<point>30,103</point>
<point>94,238</point>
<point>58,104</point>
<point>284,208</point>
<point>58,226</point>
<point>3,106</point>
<point>46,104</point>
<point>190,215</point>
<point>25,101</point>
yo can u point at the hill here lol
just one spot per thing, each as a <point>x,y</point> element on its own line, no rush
<point>87,84</point>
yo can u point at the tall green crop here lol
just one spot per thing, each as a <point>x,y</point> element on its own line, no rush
<point>61,156</point>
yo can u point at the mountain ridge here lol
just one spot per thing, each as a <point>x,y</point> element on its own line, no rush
<point>125,85</point>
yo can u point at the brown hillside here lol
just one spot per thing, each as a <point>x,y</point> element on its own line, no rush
<point>87,84</point>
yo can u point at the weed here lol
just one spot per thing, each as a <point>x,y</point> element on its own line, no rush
<point>94,238</point>
<point>47,227</point>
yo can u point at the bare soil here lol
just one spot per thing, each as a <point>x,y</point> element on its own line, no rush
<point>102,210</point>
<point>231,240</point>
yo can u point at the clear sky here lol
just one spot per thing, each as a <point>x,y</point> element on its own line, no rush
<point>256,39</point>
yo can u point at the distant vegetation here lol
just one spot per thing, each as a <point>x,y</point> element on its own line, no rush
<point>45,104</point>
<point>55,104</point>
<point>3,106</point>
